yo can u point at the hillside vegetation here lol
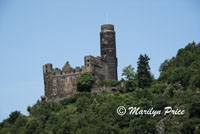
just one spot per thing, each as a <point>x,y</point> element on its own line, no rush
<point>88,113</point>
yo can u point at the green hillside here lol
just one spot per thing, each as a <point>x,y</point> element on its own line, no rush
<point>85,113</point>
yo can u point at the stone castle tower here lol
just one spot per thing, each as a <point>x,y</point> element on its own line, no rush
<point>59,83</point>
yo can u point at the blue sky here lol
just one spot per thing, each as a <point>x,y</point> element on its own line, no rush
<point>36,32</point>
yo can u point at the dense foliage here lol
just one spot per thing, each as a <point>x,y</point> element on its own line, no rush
<point>143,72</point>
<point>84,82</point>
<point>128,72</point>
<point>87,113</point>
<point>140,79</point>
<point>184,68</point>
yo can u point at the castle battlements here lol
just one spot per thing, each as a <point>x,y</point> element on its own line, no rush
<point>59,72</point>
<point>62,82</point>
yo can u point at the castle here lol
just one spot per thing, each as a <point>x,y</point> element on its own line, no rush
<point>59,83</point>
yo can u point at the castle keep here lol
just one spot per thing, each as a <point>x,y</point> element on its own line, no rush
<point>62,82</point>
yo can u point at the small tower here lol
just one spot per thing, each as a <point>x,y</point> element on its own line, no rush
<point>108,50</point>
<point>47,71</point>
<point>47,68</point>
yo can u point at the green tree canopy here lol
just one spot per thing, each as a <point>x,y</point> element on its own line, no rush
<point>84,82</point>
<point>13,116</point>
<point>128,72</point>
<point>183,68</point>
<point>144,76</point>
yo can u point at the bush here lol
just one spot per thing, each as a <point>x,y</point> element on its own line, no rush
<point>84,82</point>
<point>13,117</point>
<point>111,83</point>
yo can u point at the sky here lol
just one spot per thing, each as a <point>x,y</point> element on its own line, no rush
<point>36,32</point>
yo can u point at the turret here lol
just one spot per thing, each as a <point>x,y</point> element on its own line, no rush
<point>108,49</point>
<point>89,64</point>
<point>47,68</point>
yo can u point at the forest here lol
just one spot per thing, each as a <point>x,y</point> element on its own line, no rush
<point>178,86</point>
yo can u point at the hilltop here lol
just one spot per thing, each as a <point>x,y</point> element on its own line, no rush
<point>89,113</point>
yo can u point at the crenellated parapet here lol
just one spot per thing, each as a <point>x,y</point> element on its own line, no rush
<point>66,70</point>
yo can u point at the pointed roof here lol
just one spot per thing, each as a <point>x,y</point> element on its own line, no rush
<point>67,67</point>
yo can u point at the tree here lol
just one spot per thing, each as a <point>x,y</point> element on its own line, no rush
<point>130,77</point>
<point>13,117</point>
<point>131,85</point>
<point>194,82</point>
<point>110,83</point>
<point>144,76</point>
<point>163,66</point>
<point>128,72</point>
<point>84,82</point>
